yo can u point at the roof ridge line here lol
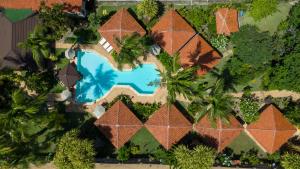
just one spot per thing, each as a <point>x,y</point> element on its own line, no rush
<point>187,41</point>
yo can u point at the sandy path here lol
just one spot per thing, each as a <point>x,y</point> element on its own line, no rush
<point>274,93</point>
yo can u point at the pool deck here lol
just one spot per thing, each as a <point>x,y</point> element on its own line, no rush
<point>160,94</point>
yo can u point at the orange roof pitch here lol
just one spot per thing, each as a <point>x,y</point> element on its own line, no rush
<point>227,21</point>
<point>197,52</point>
<point>171,32</point>
<point>70,5</point>
<point>222,134</point>
<point>272,129</point>
<point>168,125</point>
<point>120,25</point>
<point>118,124</point>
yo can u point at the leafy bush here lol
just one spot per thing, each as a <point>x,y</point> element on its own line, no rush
<point>201,157</point>
<point>73,152</point>
<point>147,9</point>
<point>143,111</point>
<point>250,157</point>
<point>249,108</point>
<point>292,113</point>
<point>220,42</point>
<point>263,8</point>
<point>123,154</point>
<point>165,157</point>
<point>290,161</point>
<point>41,83</point>
<point>167,61</point>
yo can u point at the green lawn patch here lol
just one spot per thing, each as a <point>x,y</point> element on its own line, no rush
<point>15,15</point>
<point>244,143</point>
<point>146,142</point>
<point>270,23</point>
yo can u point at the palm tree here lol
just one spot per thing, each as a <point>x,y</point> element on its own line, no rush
<point>178,81</point>
<point>131,48</point>
<point>214,103</point>
<point>39,45</point>
<point>147,9</point>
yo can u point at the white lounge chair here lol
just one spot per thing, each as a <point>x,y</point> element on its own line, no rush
<point>102,41</point>
<point>106,45</point>
<point>109,49</point>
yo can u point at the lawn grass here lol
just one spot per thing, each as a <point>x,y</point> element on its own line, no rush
<point>146,142</point>
<point>15,15</point>
<point>244,143</point>
<point>270,23</point>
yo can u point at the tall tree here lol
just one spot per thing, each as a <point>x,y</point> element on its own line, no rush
<point>147,9</point>
<point>73,152</point>
<point>178,81</point>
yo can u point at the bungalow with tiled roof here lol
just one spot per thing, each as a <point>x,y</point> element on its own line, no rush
<point>168,125</point>
<point>271,130</point>
<point>119,25</point>
<point>174,34</point>
<point>118,124</point>
<point>72,6</point>
<point>227,21</point>
<point>219,135</point>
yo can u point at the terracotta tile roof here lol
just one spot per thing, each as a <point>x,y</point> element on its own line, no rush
<point>119,25</point>
<point>168,125</point>
<point>227,21</point>
<point>172,32</point>
<point>118,124</point>
<point>220,135</point>
<point>197,52</point>
<point>272,129</point>
<point>70,5</point>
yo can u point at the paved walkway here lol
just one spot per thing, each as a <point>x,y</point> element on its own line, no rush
<point>274,93</point>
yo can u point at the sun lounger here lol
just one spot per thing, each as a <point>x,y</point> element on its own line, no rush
<point>106,45</point>
<point>102,41</point>
<point>109,49</point>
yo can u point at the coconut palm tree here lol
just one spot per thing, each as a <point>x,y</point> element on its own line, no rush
<point>39,45</point>
<point>131,48</point>
<point>147,9</point>
<point>178,81</point>
<point>214,103</point>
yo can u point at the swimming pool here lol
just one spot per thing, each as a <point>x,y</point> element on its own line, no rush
<point>99,77</point>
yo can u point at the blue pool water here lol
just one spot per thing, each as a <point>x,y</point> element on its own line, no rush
<point>98,77</point>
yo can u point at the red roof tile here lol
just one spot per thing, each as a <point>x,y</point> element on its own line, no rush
<point>70,5</point>
<point>227,21</point>
<point>120,25</point>
<point>118,124</point>
<point>272,129</point>
<point>168,125</point>
<point>172,32</point>
<point>197,52</point>
<point>222,134</point>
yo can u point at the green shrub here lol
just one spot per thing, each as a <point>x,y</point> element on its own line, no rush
<point>123,154</point>
<point>263,8</point>
<point>73,152</point>
<point>250,157</point>
<point>147,9</point>
<point>290,161</point>
<point>143,111</point>
<point>249,108</point>
<point>220,42</point>
<point>292,113</point>
<point>201,157</point>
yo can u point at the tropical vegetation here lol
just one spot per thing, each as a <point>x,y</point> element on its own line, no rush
<point>262,8</point>
<point>147,9</point>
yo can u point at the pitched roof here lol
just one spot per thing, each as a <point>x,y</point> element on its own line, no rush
<point>70,5</point>
<point>120,25</point>
<point>227,21</point>
<point>197,52</point>
<point>69,75</point>
<point>11,35</point>
<point>118,124</point>
<point>168,125</point>
<point>221,134</point>
<point>272,129</point>
<point>171,32</point>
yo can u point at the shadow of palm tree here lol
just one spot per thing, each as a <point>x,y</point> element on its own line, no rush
<point>101,82</point>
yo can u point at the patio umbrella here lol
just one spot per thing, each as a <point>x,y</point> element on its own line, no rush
<point>70,53</point>
<point>69,75</point>
<point>99,111</point>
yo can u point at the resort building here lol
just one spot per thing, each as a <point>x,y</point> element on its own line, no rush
<point>12,33</point>
<point>119,25</point>
<point>168,125</point>
<point>175,35</point>
<point>72,6</point>
<point>220,134</point>
<point>118,124</point>
<point>271,130</point>
<point>227,21</point>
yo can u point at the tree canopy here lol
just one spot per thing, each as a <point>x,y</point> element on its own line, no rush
<point>263,8</point>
